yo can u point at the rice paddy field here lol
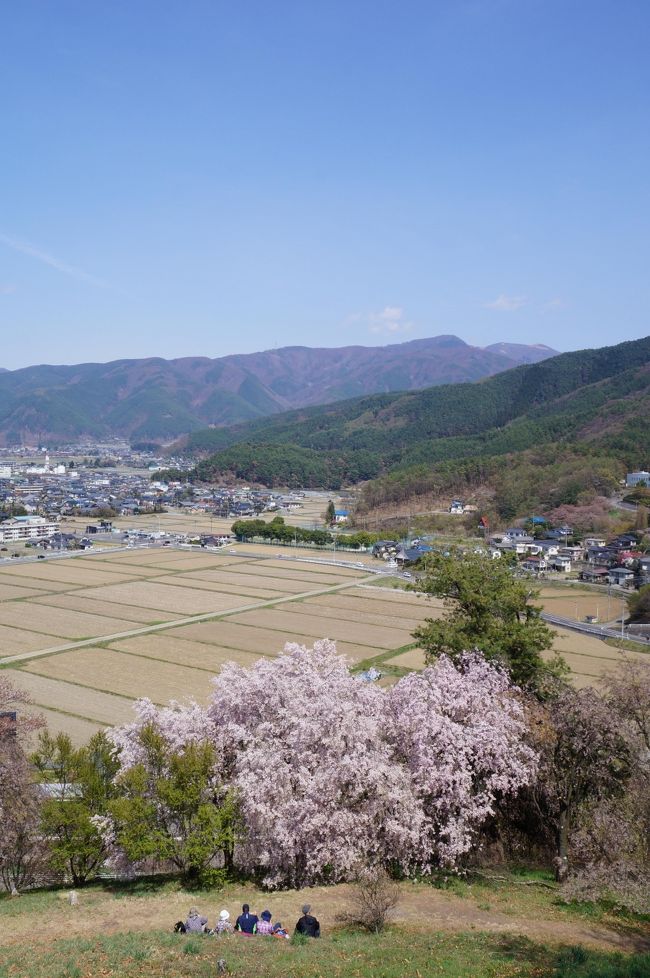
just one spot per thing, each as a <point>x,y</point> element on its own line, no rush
<point>87,635</point>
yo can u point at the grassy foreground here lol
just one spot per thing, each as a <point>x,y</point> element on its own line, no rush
<point>395,954</point>
<point>511,926</point>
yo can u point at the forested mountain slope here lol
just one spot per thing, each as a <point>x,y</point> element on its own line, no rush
<point>162,399</point>
<point>595,400</point>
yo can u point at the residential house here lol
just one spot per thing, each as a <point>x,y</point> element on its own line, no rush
<point>518,533</point>
<point>559,563</point>
<point>590,542</point>
<point>534,565</point>
<point>550,548</point>
<point>595,575</point>
<point>622,576</point>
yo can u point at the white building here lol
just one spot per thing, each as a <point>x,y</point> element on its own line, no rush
<point>26,528</point>
<point>634,478</point>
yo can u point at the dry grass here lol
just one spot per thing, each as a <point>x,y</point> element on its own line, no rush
<point>60,621</point>
<point>38,919</point>
<point>399,597</point>
<point>16,640</point>
<point>352,601</point>
<point>413,659</point>
<point>361,634</point>
<point>180,651</point>
<point>19,578</point>
<point>262,641</point>
<point>70,571</point>
<point>589,658</point>
<point>242,588</point>
<point>77,728</point>
<point>144,558</point>
<point>333,610</point>
<point>128,675</point>
<point>300,574</point>
<point>9,592</point>
<point>313,568</point>
<point>78,700</point>
<point>150,594</point>
<point>568,603</point>
<point>85,601</point>
<point>251,578</point>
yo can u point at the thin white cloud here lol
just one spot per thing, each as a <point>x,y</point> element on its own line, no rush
<point>507,303</point>
<point>388,321</point>
<point>33,252</point>
<point>553,305</point>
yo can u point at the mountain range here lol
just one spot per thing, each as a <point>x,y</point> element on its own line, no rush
<point>160,399</point>
<point>572,423</point>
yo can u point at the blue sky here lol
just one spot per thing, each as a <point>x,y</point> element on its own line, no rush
<point>203,178</point>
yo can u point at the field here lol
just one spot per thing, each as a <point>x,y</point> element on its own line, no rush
<point>579,603</point>
<point>87,635</point>
<point>467,929</point>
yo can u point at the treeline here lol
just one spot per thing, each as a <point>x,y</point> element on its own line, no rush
<point>277,531</point>
<point>288,465</point>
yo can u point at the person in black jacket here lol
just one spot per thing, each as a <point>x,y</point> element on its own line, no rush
<point>246,923</point>
<point>307,924</point>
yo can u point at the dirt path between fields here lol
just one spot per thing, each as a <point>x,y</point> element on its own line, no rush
<point>421,908</point>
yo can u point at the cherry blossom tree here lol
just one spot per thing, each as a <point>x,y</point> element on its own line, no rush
<point>459,731</point>
<point>177,723</point>
<point>332,774</point>
<point>320,791</point>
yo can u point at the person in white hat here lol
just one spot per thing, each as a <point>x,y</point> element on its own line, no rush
<point>223,925</point>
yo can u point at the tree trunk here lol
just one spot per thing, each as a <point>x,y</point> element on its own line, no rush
<point>563,835</point>
<point>561,861</point>
<point>228,858</point>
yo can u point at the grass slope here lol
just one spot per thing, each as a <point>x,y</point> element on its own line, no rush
<point>484,928</point>
<point>395,954</point>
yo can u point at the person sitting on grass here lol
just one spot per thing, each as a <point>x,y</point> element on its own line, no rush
<point>246,923</point>
<point>307,924</point>
<point>224,924</point>
<point>280,931</point>
<point>195,923</point>
<point>265,926</point>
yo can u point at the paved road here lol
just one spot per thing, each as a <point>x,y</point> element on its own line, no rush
<point>598,631</point>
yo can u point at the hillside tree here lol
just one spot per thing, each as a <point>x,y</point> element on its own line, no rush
<point>171,805</point>
<point>486,608</point>
<point>84,779</point>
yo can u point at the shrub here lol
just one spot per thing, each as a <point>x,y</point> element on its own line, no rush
<point>373,899</point>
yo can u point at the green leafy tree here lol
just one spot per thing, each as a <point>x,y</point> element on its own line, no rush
<point>84,778</point>
<point>330,512</point>
<point>639,604</point>
<point>171,809</point>
<point>488,609</point>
